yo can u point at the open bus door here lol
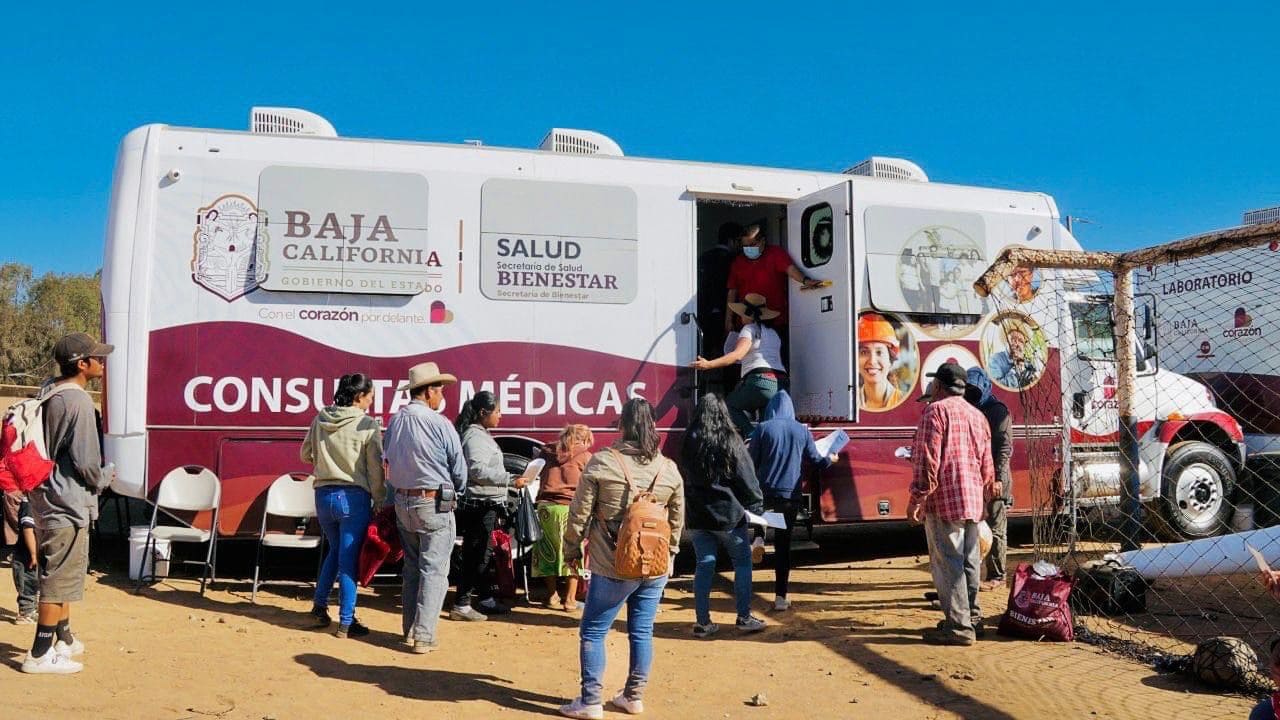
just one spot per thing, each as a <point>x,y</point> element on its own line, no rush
<point>820,240</point>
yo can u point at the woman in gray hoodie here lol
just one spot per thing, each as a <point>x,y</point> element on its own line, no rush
<point>483,506</point>
<point>345,446</point>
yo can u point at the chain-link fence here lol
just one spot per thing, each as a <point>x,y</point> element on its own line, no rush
<point>1197,416</point>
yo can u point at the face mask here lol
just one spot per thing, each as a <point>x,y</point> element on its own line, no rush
<point>752,252</point>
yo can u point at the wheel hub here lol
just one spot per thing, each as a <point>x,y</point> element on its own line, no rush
<point>1199,493</point>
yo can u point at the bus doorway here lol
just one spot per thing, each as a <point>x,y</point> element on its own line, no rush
<point>719,225</point>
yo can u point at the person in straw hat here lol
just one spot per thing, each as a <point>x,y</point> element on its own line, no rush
<point>758,348</point>
<point>427,471</point>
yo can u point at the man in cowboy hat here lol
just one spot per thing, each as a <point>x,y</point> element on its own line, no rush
<point>427,470</point>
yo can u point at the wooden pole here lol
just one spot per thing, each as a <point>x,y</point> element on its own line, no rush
<point>1013,258</point>
<point>1126,339</point>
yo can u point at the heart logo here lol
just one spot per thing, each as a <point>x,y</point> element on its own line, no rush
<point>440,314</point>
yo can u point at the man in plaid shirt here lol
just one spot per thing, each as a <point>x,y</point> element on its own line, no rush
<point>952,478</point>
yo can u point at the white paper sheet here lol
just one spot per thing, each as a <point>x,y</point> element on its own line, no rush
<point>1257,556</point>
<point>770,519</point>
<point>832,443</point>
<point>533,468</point>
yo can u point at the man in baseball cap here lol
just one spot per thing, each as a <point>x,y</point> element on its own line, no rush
<point>952,478</point>
<point>78,346</point>
<point>61,505</point>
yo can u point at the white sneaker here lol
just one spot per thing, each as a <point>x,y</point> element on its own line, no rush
<point>627,705</point>
<point>781,603</point>
<point>51,663</point>
<point>750,624</point>
<point>757,551</point>
<point>579,709</point>
<point>75,648</point>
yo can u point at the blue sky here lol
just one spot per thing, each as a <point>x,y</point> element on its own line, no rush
<point>1153,124</point>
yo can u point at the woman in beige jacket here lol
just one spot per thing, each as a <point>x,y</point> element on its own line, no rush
<point>595,513</point>
<point>345,446</point>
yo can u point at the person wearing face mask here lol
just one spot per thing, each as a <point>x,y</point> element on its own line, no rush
<point>345,446</point>
<point>762,269</point>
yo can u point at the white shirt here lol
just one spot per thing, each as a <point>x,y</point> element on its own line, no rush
<point>765,352</point>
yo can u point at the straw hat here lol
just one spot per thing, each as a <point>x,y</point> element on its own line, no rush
<point>874,328</point>
<point>754,301</point>
<point>427,373</point>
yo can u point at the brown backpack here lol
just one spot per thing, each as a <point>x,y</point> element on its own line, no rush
<point>643,541</point>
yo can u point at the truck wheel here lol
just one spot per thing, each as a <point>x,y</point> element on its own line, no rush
<point>1198,484</point>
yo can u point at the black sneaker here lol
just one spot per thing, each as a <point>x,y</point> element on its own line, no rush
<point>490,606</point>
<point>321,617</point>
<point>355,629</point>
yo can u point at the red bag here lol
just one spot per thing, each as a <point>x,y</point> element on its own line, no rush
<point>1039,607</point>
<point>503,566</point>
<point>381,544</point>
<point>25,460</point>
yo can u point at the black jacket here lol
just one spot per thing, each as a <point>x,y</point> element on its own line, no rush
<point>718,503</point>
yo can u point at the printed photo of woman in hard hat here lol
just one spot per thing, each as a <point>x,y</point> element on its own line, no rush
<point>888,362</point>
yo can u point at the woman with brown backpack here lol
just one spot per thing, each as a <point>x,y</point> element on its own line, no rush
<point>629,506</point>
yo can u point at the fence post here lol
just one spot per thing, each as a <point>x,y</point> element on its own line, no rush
<point>1126,339</point>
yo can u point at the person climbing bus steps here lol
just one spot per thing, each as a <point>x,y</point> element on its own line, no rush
<point>758,347</point>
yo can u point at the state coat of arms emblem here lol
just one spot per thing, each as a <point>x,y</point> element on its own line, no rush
<point>230,253</point>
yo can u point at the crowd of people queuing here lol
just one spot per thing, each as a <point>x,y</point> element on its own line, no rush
<point>741,455</point>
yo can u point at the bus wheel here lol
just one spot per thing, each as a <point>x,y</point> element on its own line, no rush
<point>1198,483</point>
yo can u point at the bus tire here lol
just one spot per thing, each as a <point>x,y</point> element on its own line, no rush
<point>1197,485</point>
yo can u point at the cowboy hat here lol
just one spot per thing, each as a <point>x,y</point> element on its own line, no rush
<point>427,373</point>
<point>757,302</point>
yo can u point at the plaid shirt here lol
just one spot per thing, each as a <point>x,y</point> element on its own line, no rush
<point>952,453</point>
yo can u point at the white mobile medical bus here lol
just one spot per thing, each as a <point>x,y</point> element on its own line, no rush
<point>246,271</point>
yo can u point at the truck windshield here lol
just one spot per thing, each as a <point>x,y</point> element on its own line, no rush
<point>1094,336</point>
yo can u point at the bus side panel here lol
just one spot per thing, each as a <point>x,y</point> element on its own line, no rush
<point>873,480</point>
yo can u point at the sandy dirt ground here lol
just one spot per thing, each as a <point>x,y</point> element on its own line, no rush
<point>850,648</point>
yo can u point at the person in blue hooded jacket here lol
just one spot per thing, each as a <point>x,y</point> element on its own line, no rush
<point>779,446</point>
<point>978,392</point>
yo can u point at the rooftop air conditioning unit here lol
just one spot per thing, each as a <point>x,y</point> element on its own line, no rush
<point>289,121</point>
<point>889,169</point>
<point>1265,215</point>
<point>579,142</point>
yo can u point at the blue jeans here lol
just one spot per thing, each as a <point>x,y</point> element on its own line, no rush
<point>427,537</point>
<point>1262,711</point>
<point>705,544</point>
<point>344,514</point>
<point>605,597</point>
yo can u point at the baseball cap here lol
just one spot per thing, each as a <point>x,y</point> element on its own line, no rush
<point>951,375</point>
<point>78,346</point>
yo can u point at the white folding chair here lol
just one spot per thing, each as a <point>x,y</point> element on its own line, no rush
<point>290,496</point>
<point>190,488</point>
